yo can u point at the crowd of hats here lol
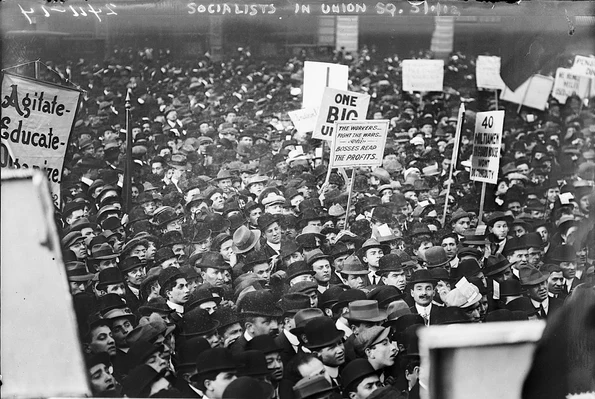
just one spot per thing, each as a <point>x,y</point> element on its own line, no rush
<point>218,170</point>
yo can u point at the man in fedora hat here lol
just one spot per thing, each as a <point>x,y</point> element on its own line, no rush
<point>212,268</point>
<point>216,368</point>
<point>101,378</point>
<point>261,316</point>
<point>323,338</point>
<point>230,328</point>
<point>361,316</point>
<point>288,343</point>
<point>272,352</point>
<point>110,282</point>
<point>102,256</point>
<point>360,379</point>
<point>422,290</point>
<point>536,286</point>
<point>134,272</point>
<point>565,257</point>
<point>370,254</point>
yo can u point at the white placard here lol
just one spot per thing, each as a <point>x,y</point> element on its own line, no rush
<point>487,140</point>
<point>318,76</point>
<point>358,143</point>
<point>569,82</point>
<point>487,73</point>
<point>585,66</point>
<point>533,93</point>
<point>339,105</point>
<point>423,75</point>
<point>304,120</point>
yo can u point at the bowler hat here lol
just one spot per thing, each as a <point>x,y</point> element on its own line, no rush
<point>524,304</point>
<point>248,388</point>
<point>155,305</point>
<point>260,303</point>
<point>213,260</point>
<point>216,223</point>
<point>321,332</point>
<point>355,370</point>
<point>164,254</point>
<point>421,276</point>
<point>289,247</point>
<point>252,363</point>
<point>109,302</point>
<point>514,244</point>
<point>452,315</point>
<point>166,215</point>
<point>468,267</point>
<point>561,253</point>
<point>297,269</point>
<point>302,317</point>
<point>188,351</point>
<point>197,322</point>
<point>384,295</point>
<point>510,287</point>
<point>312,387</point>
<point>330,297</point>
<point>168,275</point>
<point>137,383</point>
<point>389,263</point>
<point>365,310</point>
<point>170,238</point>
<point>436,257</point>
<point>225,316</point>
<point>256,257</point>
<point>293,302</point>
<point>347,297</point>
<point>440,274</point>
<point>111,275</point>
<point>130,263</point>
<point>141,350</point>
<point>245,239</point>
<point>531,276</point>
<point>214,360</point>
<point>199,296</point>
<point>304,287</point>
<point>264,343</point>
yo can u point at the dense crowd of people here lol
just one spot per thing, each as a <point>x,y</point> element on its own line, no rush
<point>238,271</point>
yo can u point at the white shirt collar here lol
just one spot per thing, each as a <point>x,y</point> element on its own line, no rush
<point>276,247</point>
<point>293,340</point>
<point>178,308</point>
<point>545,304</point>
<point>333,372</point>
<point>423,310</point>
<point>569,284</point>
<point>248,336</point>
<point>343,327</point>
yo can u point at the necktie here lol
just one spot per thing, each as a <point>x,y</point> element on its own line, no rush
<point>426,318</point>
<point>373,280</point>
<point>542,313</point>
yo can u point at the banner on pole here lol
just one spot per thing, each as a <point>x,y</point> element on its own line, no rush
<point>487,73</point>
<point>423,75</point>
<point>318,76</point>
<point>304,120</point>
<point>358,143</point>
<point>37,118</point>
<point>569,82</point>
<point>487,141</point>
<point>339,105</point>
<point>534,93</point>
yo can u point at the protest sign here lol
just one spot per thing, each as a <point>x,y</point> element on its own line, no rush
<point>569,82</point>
<point>304,120</point>
<point>533,93</point>
<point>318,76</point>
<point>358,143</point>
<point>487,73</point>
<point>486,146</point>
<point>37,118</point>
<point>423,75</point>
<point>339,105</point>
<point>585,66</point>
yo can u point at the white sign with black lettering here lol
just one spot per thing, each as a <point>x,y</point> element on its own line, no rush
<point>487,73</point>
<point>569,82</point>
<point>423,75</point>
<point>339,105</point>
<point>358,143</point>
<point>487,141</point>
<point>304,120</point>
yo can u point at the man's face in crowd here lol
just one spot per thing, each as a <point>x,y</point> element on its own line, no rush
<point>180,293</point>
<point>423,293</point>
<point>101,379</point>
<point>102,341</point>
<point>515,208</point>
<point>519,230</point>
<point>383,353</point>
<point>322,270</point>
<point>450,247</point>
<point>552,194</point>
<point>256,188</point>
<point>500,229</point>
<point>313,368</point>
<point>218,202</point>
<point>273,233</point>
<point>118,289</point>
<point>178,250</point>
<point>355,281</point>
<point>75,216</point>
<point>538,292</point>
<point>334,355</point>
<point>275,365</point>
<point>461,225</point>
<point>265,326</point>
<point>366,387</point>
<point>372,257</point>
<point>534,256</point>
<point>225,184</point>
<point>80,249</point>
<point>556,283</point>
<point>263,271</point>
<point>175,225</point>
<point>213,276</point>
<point>77,287</point>
<point>140,251</point>
<point>157,169</point>
<point>121,327</point>
<point>254,215</point>
<point>396,279</point>
<point>149,207</point>
<point>110,135</point>
<point>231,334</point>
<point>518,258</point>
<point>544,233</point>
<point>568,269</point>
<point>216,387</point>
<point>136,276</point>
